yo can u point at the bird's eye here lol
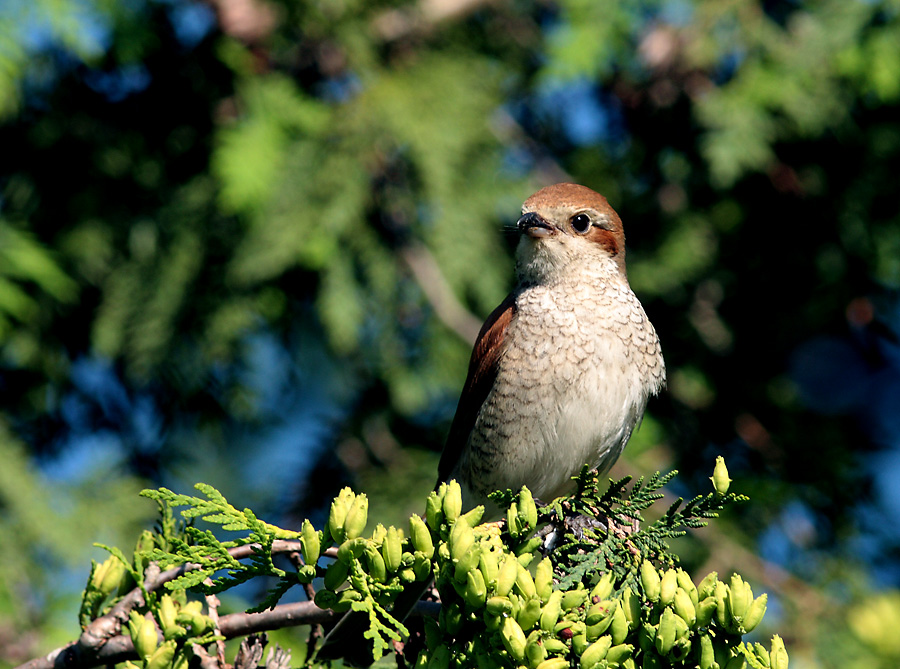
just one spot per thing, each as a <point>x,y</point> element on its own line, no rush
<point>581,223</point>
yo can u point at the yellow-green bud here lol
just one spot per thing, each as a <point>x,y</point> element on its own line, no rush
<point>434,513</point>
<point>452,505</point>
<point>467,562</point>
<point>489,563</point>
<point>739,598</point>
<point>762,655</point>
<point>143,634</point>
<point>421,567</point>
<point>551,610</point>
<point>535,653</point>
<point>527,509</point>
<point>684,607</point>
<point>529,614</point>
<point>392,547</point>
<point>601,612</point>
<point>310,543</point>
<point>377,566</point>
<point>619,626</point>
<point>556,646</point>
<point>512,521</point>
<point>513,639</point>
<point>420,536</point>
<point>554,662</point>
<point>461,539</point>
<point>475,591</point>
<point>162,657</point>
<point>705,610</point>
<point>707,586</point>
<point>618,654</point>
<point>707,654</point>
<point>755,613</point>
<point>473,517</point>
<point>631,605</point>
<point>667,587</point>
<point>604,587</point>
<point>498,606</point>
<point>685,582</point>
<point>720,479</point>
<point>357,517</point>
<point>506,579</point>
<point>543,579</point>
<point>573,598</point>
<point>778,654</point>
<point>595,652</point>
<point>525,583</point>
<point>339,508</point>
<point>665,634</point>
<point>650,582</point>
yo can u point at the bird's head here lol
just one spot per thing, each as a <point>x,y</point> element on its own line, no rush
<point>564,226</point>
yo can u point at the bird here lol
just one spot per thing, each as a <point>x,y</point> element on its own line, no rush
<point>562,370</point>
<point>559,377</point>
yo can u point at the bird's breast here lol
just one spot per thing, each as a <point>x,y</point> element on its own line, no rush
<point>578,364</point>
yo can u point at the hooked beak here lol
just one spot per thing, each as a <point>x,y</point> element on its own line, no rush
<point>535,226</point>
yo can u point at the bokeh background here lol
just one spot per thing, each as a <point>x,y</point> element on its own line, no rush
<point>250,242</point>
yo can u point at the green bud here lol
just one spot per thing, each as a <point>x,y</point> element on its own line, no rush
<point>579,643</point>
<point>498,606</point>
<point>392,547</point>
<point>684,607</point>
<point>475,591</point>
<point>473,517</point>
<point>434,513</point>
<point>720,479</point>
<point>705,610</point>
<point>345,599</point>
<point>524,582</point>
<point>707,655</point>
<point>489,563</point>
<point>168,618</point>
<point>325,599</point>
<point>619,626</point>
<point>309,543</point>
<point>737,662</point>
<point>357,517</point>
<point>551,610</point>
<point>650,582</point>
<point>762,655</point>
<point>422,567</point>
<point>461,539</point>
<point>451,618</point>
<point>535,653</point>
<point>778,654</point>
<point>543,579</point>
<point>667,587</point>
<point>556,646</point>
<point>554,663</point>
<point>467,562</point>
<point>506,579</point>
<point>755,613</point>
<point>336,574</point>
<point>513,639</point>
<point>512,521</point>
<point>527,511</point>
<point>631,606</point>
<point>573,599</point>
<point>665,634</point>
<point>351,548</point>
<point>162,657</point>
<point>601,612</point>
<point>420,536</point>
<point>707,587</point>
<point>721,595</point>
<point>529,614</point>
<point>375,561</point>
<point>618,654</point>
<point>595,652</point>
<point>143,634</point>
<point>452,504</point>
<point>740,596</point>
<point>686,584</point>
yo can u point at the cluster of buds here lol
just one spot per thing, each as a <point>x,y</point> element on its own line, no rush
<point>156,642</point>
<point>367,569</point>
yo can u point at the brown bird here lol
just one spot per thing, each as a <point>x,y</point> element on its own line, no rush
<point>562,369</point>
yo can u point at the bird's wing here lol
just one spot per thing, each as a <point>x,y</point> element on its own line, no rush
<point>482,372</point>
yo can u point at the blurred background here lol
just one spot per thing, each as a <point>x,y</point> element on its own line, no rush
<point>250,243</point>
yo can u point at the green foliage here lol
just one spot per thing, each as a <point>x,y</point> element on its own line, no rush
<point>624,610</point>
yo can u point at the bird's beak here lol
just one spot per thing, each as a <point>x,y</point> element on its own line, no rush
<point>534,225</point>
